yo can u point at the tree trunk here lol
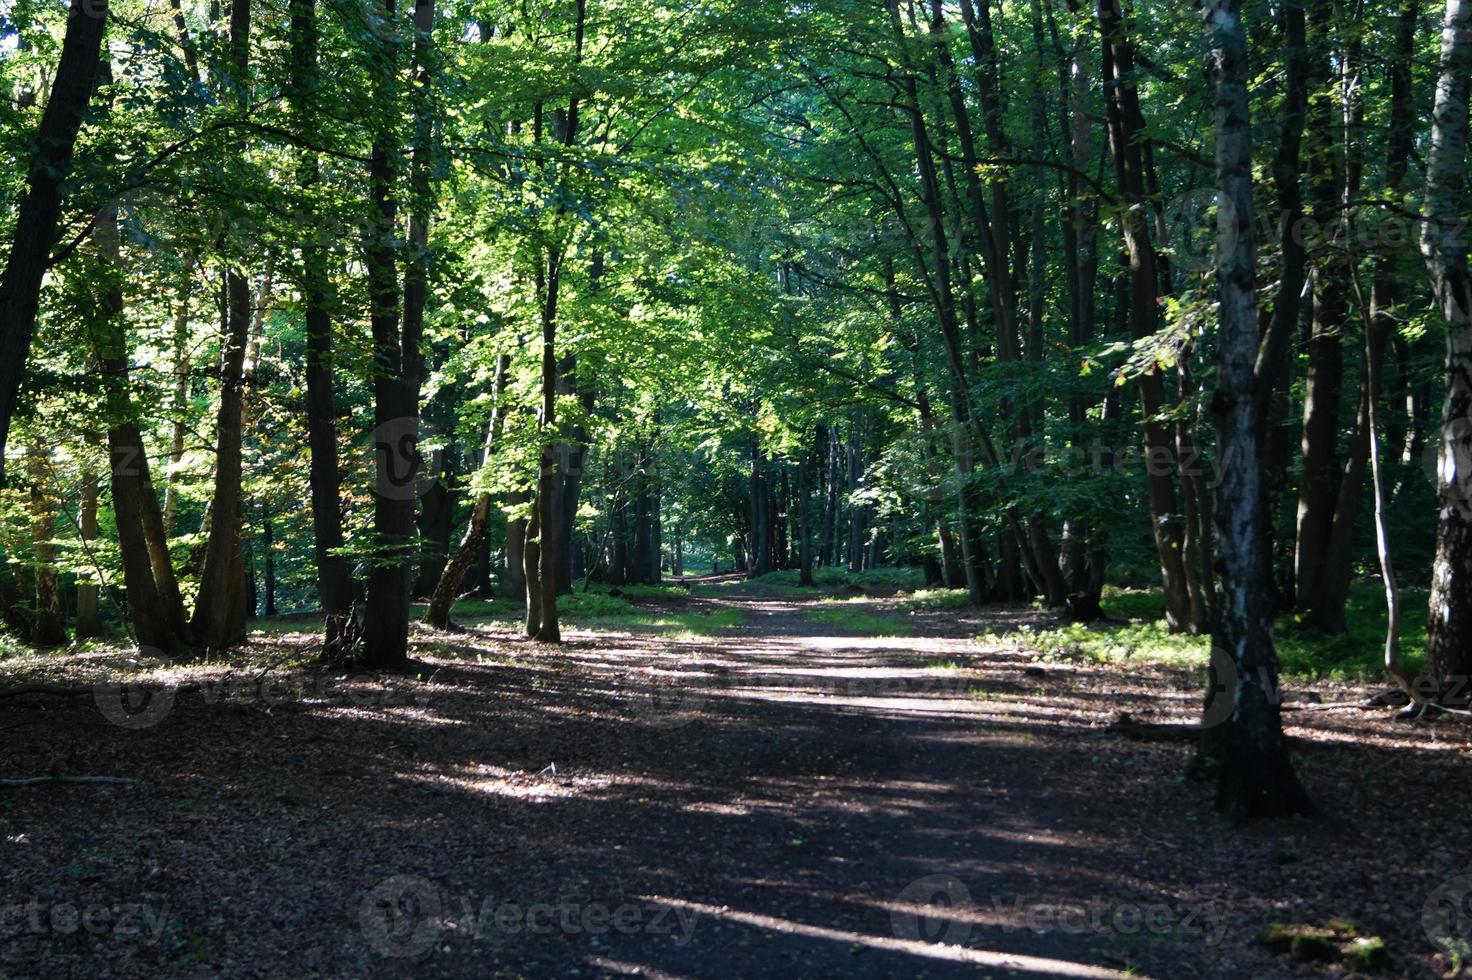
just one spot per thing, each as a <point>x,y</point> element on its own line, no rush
<point>830,508</point>
<point>40,206</point>
<point>1444,247</point>
<point>1318,487</point>
<point>804,526</point>
<point>1274,366</point>
<point>220,609</point>
<point>89,616</point>
<point>154,601</point>
<point>183,363</point>
<point>1256,774</point>
<point>532,556</point>
<point>436,522</point>
<point>1126,134</point>
<point>49,623</point>
<point>334,580</point>
<point>398,362</point>
<point>219,614</point>
<point>448,588</point>
<point>268,557</point>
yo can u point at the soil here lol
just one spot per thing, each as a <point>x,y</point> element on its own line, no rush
<point>788,799</point>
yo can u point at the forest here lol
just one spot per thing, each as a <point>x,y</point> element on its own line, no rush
<point>854,487</point>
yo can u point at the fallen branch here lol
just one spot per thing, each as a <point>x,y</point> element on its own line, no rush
<point>50,690</point>
<point>38,780</point>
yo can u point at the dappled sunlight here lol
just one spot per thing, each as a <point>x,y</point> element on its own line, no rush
<point>1016,963</point>
<point>749,774</point>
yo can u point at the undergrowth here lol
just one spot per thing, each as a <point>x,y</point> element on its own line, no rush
<point>1140,634</point>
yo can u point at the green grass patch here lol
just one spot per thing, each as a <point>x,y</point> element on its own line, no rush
<point>937,599</point>
<point>1304,653</point>
<point>644,592</point>
<point>784,582</point>
<point>594,609</point>
<point>691,624</point>
<point>852,620</point>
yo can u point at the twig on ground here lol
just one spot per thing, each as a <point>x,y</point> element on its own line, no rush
<point>38,780</point>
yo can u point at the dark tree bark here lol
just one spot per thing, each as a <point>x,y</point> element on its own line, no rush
<point>1318,487</point>
<point>1256,774</point>
<point>220,609</point>
<point>334,581</point>
<point>436,522</point>
<point>1274,366</point>
<point>154,602</point>
<point>397,359</point>
<point>40,206</point>
<point>1126,127</point>
<point>830,506</point>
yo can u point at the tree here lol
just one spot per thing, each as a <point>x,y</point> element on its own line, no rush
<point>40,207</point>
<point>1443,245</point>
<point>1256,776</point>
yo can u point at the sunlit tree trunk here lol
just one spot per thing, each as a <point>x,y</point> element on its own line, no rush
<point>49,622</point>
<point>183,363</point>
<point>154,602</point>
<point>89,614</point>
<point>1444,247</point>
<point>445,592</point>
<point>1256,775</point>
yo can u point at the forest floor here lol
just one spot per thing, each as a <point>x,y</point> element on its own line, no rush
<point>849,787</point>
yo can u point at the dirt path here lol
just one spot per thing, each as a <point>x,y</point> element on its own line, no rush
<point>789,799</point>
